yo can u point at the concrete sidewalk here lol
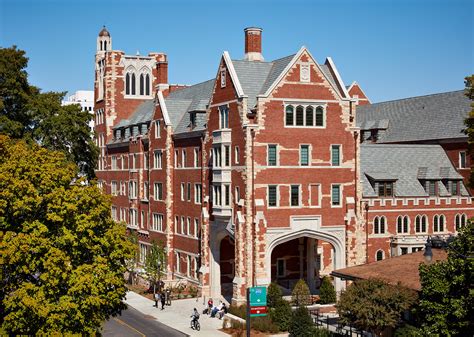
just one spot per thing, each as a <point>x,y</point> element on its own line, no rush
<point>178,315</point>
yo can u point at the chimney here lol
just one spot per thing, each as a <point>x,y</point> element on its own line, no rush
<point>253,44</point>
<point>162,70</point>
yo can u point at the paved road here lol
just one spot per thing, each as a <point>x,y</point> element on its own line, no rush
<point>133,323</point>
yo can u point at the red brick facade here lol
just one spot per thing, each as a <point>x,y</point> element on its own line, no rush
<point>269,192</point>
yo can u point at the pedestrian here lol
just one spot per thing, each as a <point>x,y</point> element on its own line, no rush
<point>168,296</point>
<point>156,296</point>
<point>163,301</point>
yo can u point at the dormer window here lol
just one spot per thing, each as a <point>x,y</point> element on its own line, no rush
<point>192,117</point>
<point>452,186</point>
<point>385,188</point>
<point>431,187</point>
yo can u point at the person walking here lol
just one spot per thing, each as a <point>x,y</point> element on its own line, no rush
<point>163,301</point>
<point>156,297</point>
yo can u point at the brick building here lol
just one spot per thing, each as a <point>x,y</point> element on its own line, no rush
<point>259,174</point>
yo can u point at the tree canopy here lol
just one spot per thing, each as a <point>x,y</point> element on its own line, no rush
<point>373,305</point>
<point>447,289</point>
<point>28,113</point>
<point>155,263</point>
<point>62,255</point>
<point>469,122</point>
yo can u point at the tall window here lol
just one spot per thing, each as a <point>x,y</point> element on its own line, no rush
<point>272,196</point>
<point>289,115</point>
<point>158,191</point>
<point>133,84</point>
<point>196,157</point>
<point>157,222</point>
<point>438,223</point>
<point>127,84</point>
<point>196,227</point>
<point>197,193</point>
<point>336,195</point>
<point>224,117</point>
<point>189,192</point>
<point>142,84</point>
<point>295,195</point>
<point>157,129</point>
<point>227,155</point>
<point>227,195</point>
<point>183,158</point>
<point>217,156</point>
<point>402,224</point>
<point>145,190</point>
<point>299,115</point>
<point>304,155</point>
<point>237,155</point>
<point>272,155</point>
<point>379,225</point>
<point>182,191</point>
<point>147,84</point>
<point>309,116</point>
<point>157,159</point>
<point>319,116</point>
<point>421,223</point>
<point>460,221</point>
<point>462,159</point>
<point>217,195</point>
<point>336,155</point>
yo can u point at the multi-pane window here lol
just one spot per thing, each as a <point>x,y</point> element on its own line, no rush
<point>385,188</point>
<point>300,115</point>
<point>452,186</point>
<point>295,195</point>
<point>379,225</point>
<point>336,195</point>
<point>336,155</point>
<point>157,222</point>
<point>189,192</point>
<point>403,224</point>
<point>132,189</point>
<point>460,221</point>
<point>133,217</point>
<point>272,196</point>
<point>158,191</point>
<point>462,159</point>
<point>197,193</point>
<point>114,190</point>
<point>157,159</point>
<point>421,222</point>
<point>224,117</point>
<point>304,155</point>
<point>272,155</point>
<point>438,223</point>
<point>430,187</point>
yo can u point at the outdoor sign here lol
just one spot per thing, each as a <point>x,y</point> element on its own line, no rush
<point>258,301</point>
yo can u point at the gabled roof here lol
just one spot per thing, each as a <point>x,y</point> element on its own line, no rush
<point>406,165</point>
<point>431,117</point>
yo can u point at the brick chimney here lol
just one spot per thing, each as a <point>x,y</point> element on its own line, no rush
<point>253,44</point>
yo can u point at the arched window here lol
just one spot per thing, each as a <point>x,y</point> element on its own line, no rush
<point>424,222</point>
<point>319,116</point>
<point>147,85</point>
<point>376,225</point>
<point>436,223</point>
<point>382,225</point>
<point>309,116</point>
<point>105,45</point>
<point>406,223</point>
<point>418,224</point>
<point>289,115</point>
<point>379,255</point>
<point>142,85</point>
<point>127,84</point>
<point>379,225</point>
<point>101,46</point>
<point>299,115</point>
<point>133,84</point>
<point>400,224</point>
<point>442,221</point>
<point>460,221</point>
<point>463,220</point>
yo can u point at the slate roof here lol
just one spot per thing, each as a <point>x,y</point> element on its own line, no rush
<point>142,114</point>
<point>437,116</point>
<point>406,164</point>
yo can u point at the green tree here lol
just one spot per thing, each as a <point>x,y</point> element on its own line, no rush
<point>301,296</point>
<point>281,314</point>
<point>301,323</point>
<point>62,255</point>
<point>469,122</point>
<point>27,113</point>
<point>133,262</point>
<point>327,293</point>
<point>446,305</point>
<point>274,294</point>
<point>373,305</point>
<point>155,264</point>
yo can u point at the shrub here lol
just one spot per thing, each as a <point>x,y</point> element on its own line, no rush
<point>300,295</point>
<point>273,295</point>
<point>301,323</point>
<point>263,324</point>
<point>193,291</point>
<point>239,311</point>
<point>327,293</point>
<point>281,315</point>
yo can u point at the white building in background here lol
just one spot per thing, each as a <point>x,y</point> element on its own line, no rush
<point>85,98</point>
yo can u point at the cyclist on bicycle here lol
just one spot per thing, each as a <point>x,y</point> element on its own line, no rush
<point>195,318</point>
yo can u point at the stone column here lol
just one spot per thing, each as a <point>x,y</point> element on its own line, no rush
<point>215,270</point>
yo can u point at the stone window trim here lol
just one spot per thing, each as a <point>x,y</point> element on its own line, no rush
<point>292,187</point>
<point>421,224</point>
<point>439,223</point>
<point>137,83</point>
<point>379,225</point>
<point>318,110</point>
<point>305,159</point>
<point>403,224</point>
<point>462,162</point>
<point>223,117</point>
<point>333,148</point>
<point>272,155</point>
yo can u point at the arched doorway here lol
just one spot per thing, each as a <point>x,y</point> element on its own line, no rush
<point>292,255</point>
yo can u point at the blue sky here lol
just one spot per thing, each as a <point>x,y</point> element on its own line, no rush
<point>394,49</point>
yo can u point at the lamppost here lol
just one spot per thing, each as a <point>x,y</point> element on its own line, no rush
<point>428,254</point>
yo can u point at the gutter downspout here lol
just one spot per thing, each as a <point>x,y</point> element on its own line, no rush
<point>253,211</point>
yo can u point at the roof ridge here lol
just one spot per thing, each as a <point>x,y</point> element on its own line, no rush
<point>400,145</point>
<point>410,98</point>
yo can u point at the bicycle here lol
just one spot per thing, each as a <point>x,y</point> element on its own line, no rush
<point>195,324</point>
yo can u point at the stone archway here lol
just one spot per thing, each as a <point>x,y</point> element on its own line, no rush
<point>308,227</point>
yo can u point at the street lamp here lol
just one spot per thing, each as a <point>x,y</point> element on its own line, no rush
<point>428,254</point>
